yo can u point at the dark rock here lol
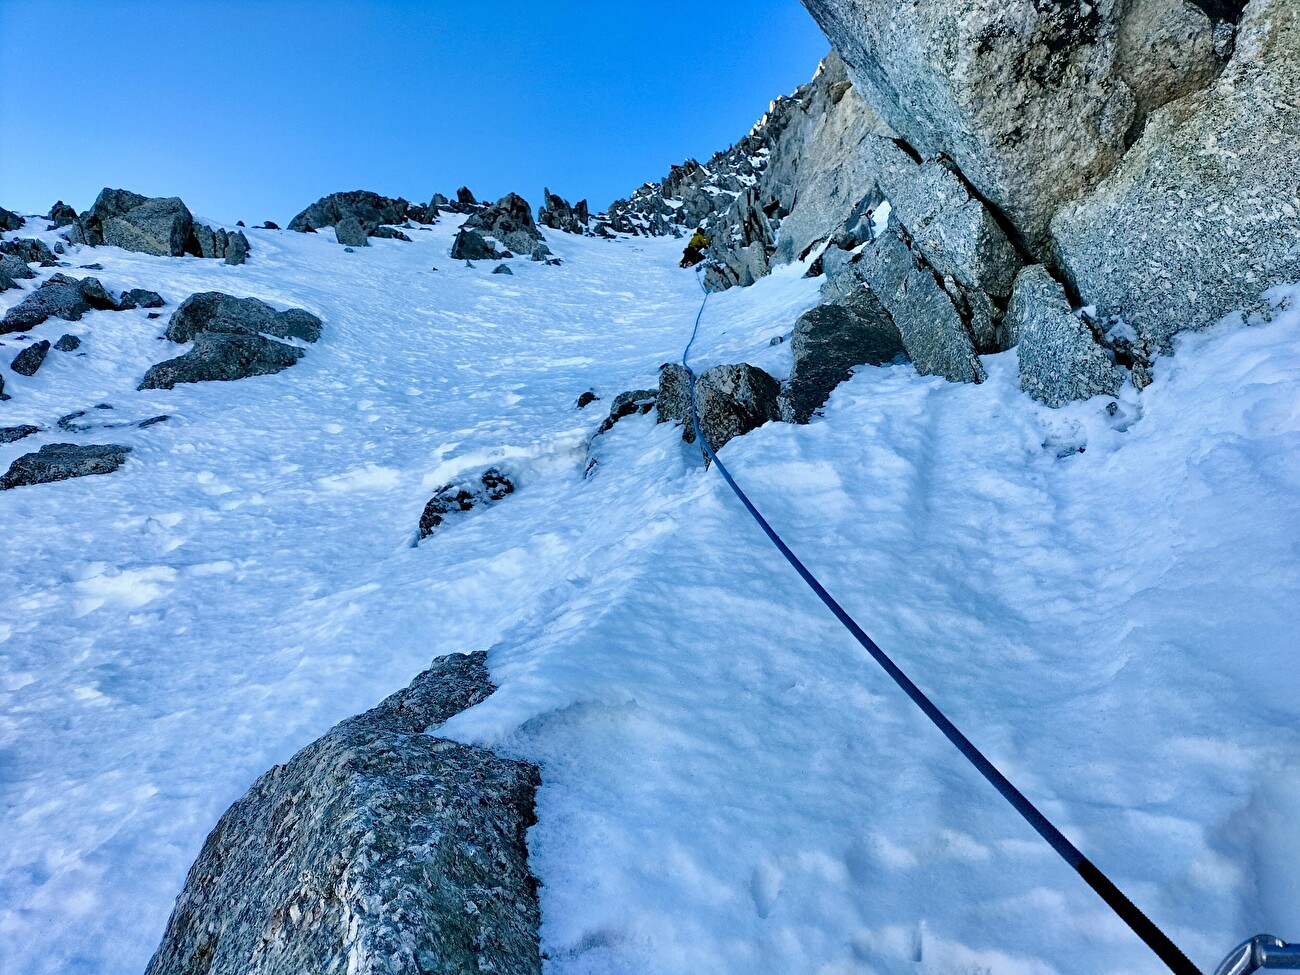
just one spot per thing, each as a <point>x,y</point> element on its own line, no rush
<point>558,215</point>
<point>349,250</point>
<point>29,251</point>
<point>631,403</point>
<point>62,461</point>
<point>10,220</point>
<point>554,262</point>
<point>510,221</point>
<point>223,357</point>
<point>90,267</point>
<point>13,434</point>
<point>1202,215</point>
<point>502,269</point>
<point>375,850</point>
<point>237,248</point>
<point>269,225</point>
<point>68,343</point>
<point>388,233</point>
<point>369,210</point>
<point>14,267</point>
<point>6,282</point>
<point>465,198</point>
<point>828,342</point>
<point>674,399</point>
<point>469,245</point>
<point>733,400</point>
<point>152,421</point>
<point>350,233</point>
<point>586,399</point>
<point>489,487</point>
<point>160,226</point>
<point>1060,359</point>
<point>58,297</point>
<point>139,298</point>
<point>3,395</point>
<point>212,311</point>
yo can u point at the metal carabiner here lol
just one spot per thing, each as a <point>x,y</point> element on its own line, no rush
<point>1261,951</point>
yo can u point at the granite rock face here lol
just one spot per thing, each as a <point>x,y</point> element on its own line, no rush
<point>1203,214</point>
<point>470,245</point>
<point>1032,100</point>
<point>633,402</point>
<point>509,221</point>
<point>797,178</point>
<point>674,399</point>
<point>10,220</point>
<point>1060,358</point>
<point>376,850</point>
<point>161,226</point>
<point>559,215</point>
<point>62,462</point>
<point>828,342</point>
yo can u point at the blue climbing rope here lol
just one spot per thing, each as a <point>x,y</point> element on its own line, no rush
<point>1141,925</point>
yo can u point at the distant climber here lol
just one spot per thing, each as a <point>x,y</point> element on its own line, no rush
<point>695,249</point>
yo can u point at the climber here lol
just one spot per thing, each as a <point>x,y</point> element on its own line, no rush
<point>695,249</point>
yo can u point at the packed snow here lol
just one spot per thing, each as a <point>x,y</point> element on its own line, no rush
<point>1103,597</point>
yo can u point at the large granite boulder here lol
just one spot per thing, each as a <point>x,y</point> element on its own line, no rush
<point>63,461</point>
<point>633,402</point>
<point>161,226</point>
<point>460,496</point>
<point>222,357</point>
<point>212,311</point>
<point>15,268</point>
<point>370,210</point>
<point>828,342</point>
<point>559,215</point>
<point>376,850</point>
<point>733,400</point>
<point>350,233</point>
<point>1032,100</point>
<point>1061,359</point>
<point>1203,214</point>
<point>220,244</point>
<point>58,297</point>
<point>510,221</point>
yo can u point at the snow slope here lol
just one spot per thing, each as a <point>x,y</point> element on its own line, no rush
<point>729,785</point>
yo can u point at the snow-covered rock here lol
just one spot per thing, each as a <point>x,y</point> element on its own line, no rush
<point>376,850</point>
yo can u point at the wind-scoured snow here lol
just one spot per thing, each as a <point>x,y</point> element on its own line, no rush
<point>730,785</point>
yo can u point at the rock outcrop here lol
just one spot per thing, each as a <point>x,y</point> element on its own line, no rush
<point>29,251</point>
<point>1203,214</point>
<point>1033,100</point>
<point>633,402</point>
<point>376,850</point>
<point>368,210</point>
<point>827,344</point>
<point>559,215</point>
<point>62,462</point>
<point>510,222</point>
<point>161,226</point>
<point>62,215</point>
<point>20,432</point>
<point>460,496</point>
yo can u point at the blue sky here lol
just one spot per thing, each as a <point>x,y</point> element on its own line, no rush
<point>252,110</point>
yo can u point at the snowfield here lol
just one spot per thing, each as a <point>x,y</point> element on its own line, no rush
<point>730,785</point>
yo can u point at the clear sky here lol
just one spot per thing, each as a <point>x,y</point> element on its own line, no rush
<point>252,109</point>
